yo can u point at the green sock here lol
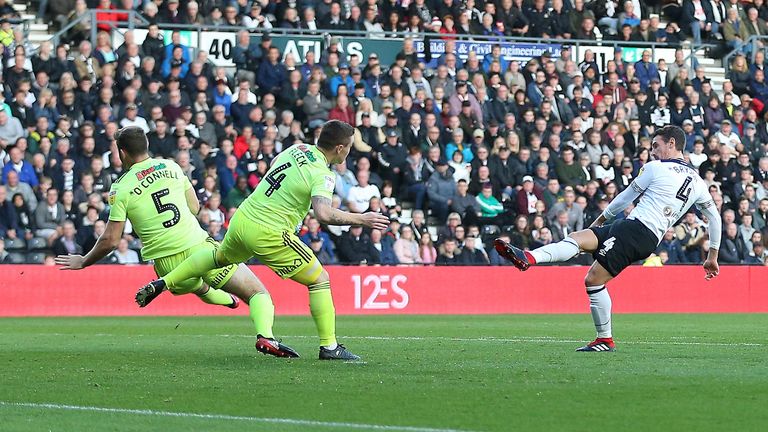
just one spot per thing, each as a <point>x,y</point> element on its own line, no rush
<point>195,266</point>
<point>216,297</point>
<point>323,312</point>
<point>262,313</point>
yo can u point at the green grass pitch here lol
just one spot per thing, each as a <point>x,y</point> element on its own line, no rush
<point>420,373</point>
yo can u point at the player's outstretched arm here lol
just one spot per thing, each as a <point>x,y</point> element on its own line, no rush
<point>709,209</point>
<point>622,200</point>
<point>103,247</point>
<point>326,214</point>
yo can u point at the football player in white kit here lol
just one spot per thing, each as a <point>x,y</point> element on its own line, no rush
<point>669,187</point>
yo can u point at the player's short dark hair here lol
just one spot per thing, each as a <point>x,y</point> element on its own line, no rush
<point>335,133</point>
<point>132,140</point>
<point>670,131</point>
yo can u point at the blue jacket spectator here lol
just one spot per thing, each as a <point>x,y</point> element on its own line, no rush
<point>272,74</point>
<point>342,78</point>
<point>646,70</point>
<point>185,52</point>
<point>224,99</point>
<point>169,63</point>
<point>387,254</point>
<point>315,233</point>
<point>23,168</point>
<point>465,150</point>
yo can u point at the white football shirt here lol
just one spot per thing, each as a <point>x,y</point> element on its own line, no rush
<point>669,187</point>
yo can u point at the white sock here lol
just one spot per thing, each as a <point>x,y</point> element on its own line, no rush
<point>600,305</point>
<point>331,347</point>
<point>556,252</point>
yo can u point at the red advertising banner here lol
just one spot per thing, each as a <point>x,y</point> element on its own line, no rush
<point>29,290</point>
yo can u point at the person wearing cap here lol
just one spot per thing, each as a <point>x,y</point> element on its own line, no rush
<point>392,159</point>
<point>527,196</point>
<point>468,120</point>
<point>343,77</point>
<point>728,137</point>
<point>133,119</point>
<point>441,188</point>
<point>254,19</point>
<point>461,95</point>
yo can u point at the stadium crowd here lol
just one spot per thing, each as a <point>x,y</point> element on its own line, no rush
<point>456,151</point>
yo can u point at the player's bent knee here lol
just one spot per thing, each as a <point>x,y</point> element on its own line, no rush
<point>221,259</point>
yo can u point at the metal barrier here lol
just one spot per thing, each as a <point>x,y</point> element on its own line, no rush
<point>752,40</point>
<point>136,20</point>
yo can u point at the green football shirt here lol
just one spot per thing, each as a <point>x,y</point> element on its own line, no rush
<point>152,195</point>
<point>284,195</point>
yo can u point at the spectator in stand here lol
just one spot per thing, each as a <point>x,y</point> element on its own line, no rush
<point>406,247</point>
<point>318,248</point>
<point>427,250</point>
<point>448,256</point>
<point>527,196</point>
<point>691,234</point>
<point>125,255</point>
<point>342,111</point>
<point>24,169</point>
<point>359,196</point>
<point>697,15</point>
<point>356,247</point>
<point>49,217</point>
<point>734,30</point>
<point>646,70</point>
<point>441,188</point>
<point>67,243</point>
<point>733,247</point>
<point>470,254</point>
<point>10,128</point>
<point>8,219</point>
<point>14,186</point>
<point>315,232</point>
<point>490,208</point>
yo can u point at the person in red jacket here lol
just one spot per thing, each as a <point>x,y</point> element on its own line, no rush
<point>107,18</point>
<point>527,196</point>
<point>342,111</point>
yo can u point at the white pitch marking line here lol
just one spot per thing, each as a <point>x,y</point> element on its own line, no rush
<point>541,339</point>
<point>513,339</point>
<point>288,421</point>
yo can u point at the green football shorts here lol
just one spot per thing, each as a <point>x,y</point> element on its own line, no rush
<point>281,251</point>
<point>215,278</point>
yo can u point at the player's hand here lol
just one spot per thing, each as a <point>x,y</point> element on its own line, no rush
<point>70,262</point>
<point>375,221</point>
<point>712,268</point>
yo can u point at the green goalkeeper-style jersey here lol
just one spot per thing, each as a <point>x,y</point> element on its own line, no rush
<point>284,195</point>
<point>152,195</point>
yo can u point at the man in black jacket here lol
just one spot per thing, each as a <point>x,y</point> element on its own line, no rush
<point>162,143</point>
<point>448,257</point>
<point>695,25</point>
<point>392,159</point>
<point>355,247</point>
<point>498,107</point>
<point>154,46</point>
<point>505,172</point>
<point>471,255</point>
